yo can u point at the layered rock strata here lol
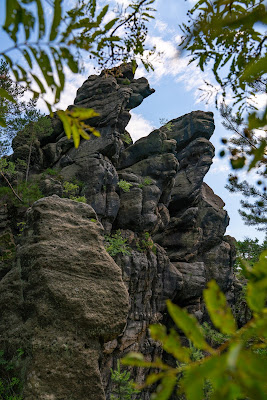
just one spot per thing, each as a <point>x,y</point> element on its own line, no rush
<point>76,308</point>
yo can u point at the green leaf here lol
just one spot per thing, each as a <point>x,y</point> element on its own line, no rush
<point>166,387</point>
<point>138,360</point>
<point>258,153</point>
<point>102,14</point>
<point>75,135</point>
<point>56,20</point>
<point>189,325</point>
<point>254,70</point>
<point>2,122</point>
<point>257,285</point>
<point>251,375</point>
<point>233,355</point>
<point>94,131</point>
<point>238,163</point>
<point>27,57</point>
<point>48,105</point>
<point>152,378</point>
<point>41,19</point>
<point>39,83</point>
<point>219,311</point>
<point>59,67</point>
<point>72,63</point>
<point>255,121</point>
<point>195,376</point>
<point>194,389</point>
<point>110,24</point>
<point>6,95</point>
<point>171,343</point>
<point>44,64</point>
<point>83,134</point>
<point>23,73</point>
<point>7,59</point>
<point>134,66</point>
<point>66,123</point>
<point>83,113</point>
<point>11,6</point>
<point>92,8</point>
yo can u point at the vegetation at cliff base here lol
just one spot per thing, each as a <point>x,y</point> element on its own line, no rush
<point>116,244</point>
<point>10,384</point>
<point>71,191</point>
<point>122,384</point>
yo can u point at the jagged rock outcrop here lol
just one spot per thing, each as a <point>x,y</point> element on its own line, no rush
<point>65,297</point>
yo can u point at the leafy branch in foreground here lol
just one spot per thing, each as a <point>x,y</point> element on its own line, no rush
<point>74,126</point>
<point>229,36</point>
<point>253,213</point>
<point>226,34</point>
<point>52,47</point>
<point>245,146</point>
<point>236,369</point>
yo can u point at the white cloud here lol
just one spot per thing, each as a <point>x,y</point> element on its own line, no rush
<point>177,39</point>
<point>259,100</point>
<point>220,166</point>
<point>140,72</point>
<point>124,3</point>
<point>138,126</point>
<point>260,133</point>
<point>161,26</point>
<point>109,16</point>
<point>168,62</point>
<point>191,77</point>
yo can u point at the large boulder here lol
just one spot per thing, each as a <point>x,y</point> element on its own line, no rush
<point>73,299</point>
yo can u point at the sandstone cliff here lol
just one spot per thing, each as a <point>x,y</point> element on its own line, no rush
<point>72,307</point>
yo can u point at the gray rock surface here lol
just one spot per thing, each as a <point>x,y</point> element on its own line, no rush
<point>76,309</point>
<point>73,300</point>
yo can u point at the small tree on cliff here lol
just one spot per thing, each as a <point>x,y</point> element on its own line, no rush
<point>249,250</point>
<point>17,114</point>
<point>39,126</point>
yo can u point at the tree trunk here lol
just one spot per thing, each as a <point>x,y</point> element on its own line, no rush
<point>28,163</point>
<point>11,187</point>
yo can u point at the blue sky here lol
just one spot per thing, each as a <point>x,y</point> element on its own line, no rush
<point>177,93</point>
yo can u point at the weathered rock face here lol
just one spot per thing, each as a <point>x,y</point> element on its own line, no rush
<point>76,309</point>
<point>82,291</point>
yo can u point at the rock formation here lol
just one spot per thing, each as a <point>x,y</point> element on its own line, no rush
<point>72,307</point>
